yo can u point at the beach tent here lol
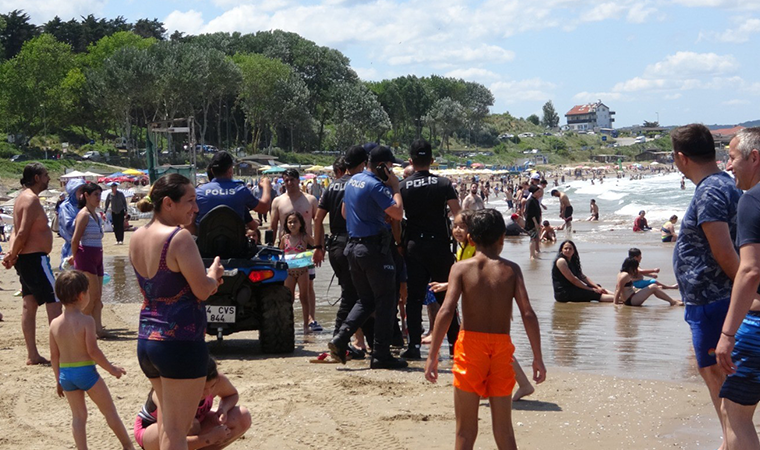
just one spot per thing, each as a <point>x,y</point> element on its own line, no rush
<point>133,172</point>
<point>74,174</point>
<point>275,169</point>
<point>316,168</point>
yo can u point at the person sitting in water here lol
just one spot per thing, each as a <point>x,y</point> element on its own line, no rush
<point>594,209</point>
<point>211,429</point>
<point>547,232</point>
<point>516,226</point>
<point>640,223</point>
<point>669,230</point>
<point>627,293</point>
<point>570,284</point>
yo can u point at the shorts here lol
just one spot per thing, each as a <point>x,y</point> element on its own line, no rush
<point>568,214</point>
<point>36,277</point>
<point>574,294</point>
<point>706,322</point>
<point>483,364</point>
<point>139,430</point>
<point>312,272</point>
<point>90,260</point>
<point>533,233</point>
<point>595,216</point>
<point>743,387</point>
<point>80,376</point>
<point>179,360</point>
<point>667,238</point>
<point>296,273</point>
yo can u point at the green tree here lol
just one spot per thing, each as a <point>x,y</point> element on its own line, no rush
<point>447,115</point>
<point>151,29</point>
<point>533,119</point>
<point>648,124</point>
<point>551,118</point>
<point>16,32</point>
<point>32,93</point>
<point>98,52</point>
<point>260,77</point>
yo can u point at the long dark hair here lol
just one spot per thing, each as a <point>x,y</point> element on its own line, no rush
<point>300,220</point>
<point>630,266</point>
<point>88,188</point>
<point>172,185</point>
<point>575,260</point>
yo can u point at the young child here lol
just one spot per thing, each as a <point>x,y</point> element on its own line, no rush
<point>639,282</point>
<point>547,232</point>
<point>74,352</point>
<point>211,429</point>
<point>294,241</point>
<point>484,350</point>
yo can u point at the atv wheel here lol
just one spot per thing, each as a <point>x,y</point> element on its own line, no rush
<point>276,334</point>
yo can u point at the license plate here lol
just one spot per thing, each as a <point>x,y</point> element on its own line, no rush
<point>220,314</point>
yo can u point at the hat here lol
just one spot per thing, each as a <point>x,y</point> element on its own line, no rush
<point>420,149</point>
<point>514,216</point>
<point>113,183</point>
<point>355,156</point>
<point>221,162</point>
<point>382,154</point>
<point>535,176</point>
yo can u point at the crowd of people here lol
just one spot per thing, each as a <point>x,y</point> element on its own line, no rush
<point>390,248</point>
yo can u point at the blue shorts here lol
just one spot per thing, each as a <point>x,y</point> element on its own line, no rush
<point>78,376</point>
<point>180,360</point>
<point>706,322</point>
<point>743,387</point>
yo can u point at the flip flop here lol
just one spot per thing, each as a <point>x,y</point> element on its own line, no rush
<point>324,358</point>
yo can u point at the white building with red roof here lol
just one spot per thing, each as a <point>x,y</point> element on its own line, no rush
<point>590,116</point>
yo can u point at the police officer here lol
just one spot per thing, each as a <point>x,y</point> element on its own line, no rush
<point>331,203</point>
<point>223,190</point>
<point>370,196</point>
<point>428,252</point>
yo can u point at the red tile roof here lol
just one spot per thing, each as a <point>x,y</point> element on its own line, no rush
<point>582,109</point>
<point>727,131</point>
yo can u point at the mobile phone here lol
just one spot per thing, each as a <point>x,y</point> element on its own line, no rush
<point>382,172</point>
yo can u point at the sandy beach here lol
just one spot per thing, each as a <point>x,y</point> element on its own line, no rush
<point>298,405</point>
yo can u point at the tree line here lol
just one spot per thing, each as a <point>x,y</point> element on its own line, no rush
<point>96,79</point>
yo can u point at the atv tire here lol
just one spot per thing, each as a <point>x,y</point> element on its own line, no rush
<point>277,334</point>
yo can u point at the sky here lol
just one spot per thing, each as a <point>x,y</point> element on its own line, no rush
<point>676,61</point>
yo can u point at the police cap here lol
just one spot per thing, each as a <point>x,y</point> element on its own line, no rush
<point>355,156</point>
<point>381,154</point>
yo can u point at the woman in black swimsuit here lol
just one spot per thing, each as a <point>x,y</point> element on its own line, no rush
<point>570,284</point>
<point>626,293</point>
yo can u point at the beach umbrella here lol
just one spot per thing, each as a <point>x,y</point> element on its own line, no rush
<point>654,164</point>
<point>309,176</point>
<point>133,172</point>
<point>275,169</point>
<point>316,168</point>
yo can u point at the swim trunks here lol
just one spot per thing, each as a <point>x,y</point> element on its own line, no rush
<point>667,238</point>
<point>641,284</point>
<point>89,259</point>
<point>706,322</point>
<point>78,376</point>
<point>568,214</point>
<point>483,364</point>
<point>36,277</point>
<point>595,216</point>
<point>743,387</point>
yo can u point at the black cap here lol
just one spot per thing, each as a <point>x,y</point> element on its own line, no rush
<point>382,154</point>
<point>355,156</point>
<point>221,162</point>
<point>420,149</point>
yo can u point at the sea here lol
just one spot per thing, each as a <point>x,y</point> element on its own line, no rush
<point>650,342</point>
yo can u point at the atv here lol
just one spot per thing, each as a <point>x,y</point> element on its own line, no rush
<point>253,295</point>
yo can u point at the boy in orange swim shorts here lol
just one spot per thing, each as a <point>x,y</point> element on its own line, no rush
<point>483,352</point>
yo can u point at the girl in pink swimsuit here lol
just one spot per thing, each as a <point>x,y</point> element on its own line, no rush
<point>294,241</point>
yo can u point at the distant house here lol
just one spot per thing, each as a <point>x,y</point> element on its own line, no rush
<point>655,155</point>
<point>589,117</point>
<point>723,136</point>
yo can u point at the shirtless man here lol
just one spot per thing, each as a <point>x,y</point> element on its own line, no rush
<point>473,201</point>
<point>32,241</point>
<point>594,209</point>
<point>306,204</point>
<point>565,210</point>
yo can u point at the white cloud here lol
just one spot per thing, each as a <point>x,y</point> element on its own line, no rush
<point>735,102</point>
<point>687,64</point>
<point>588,97</point>
<point>604,11</point>
<point>675,96</point>
<point>740,32</point>
<point>473,73</point>
<point>723,4</point>
<point>42,11</point>
<point>369,74</point>
<point>533,89</point>
<point>189,22</point>
<point>641,12</point>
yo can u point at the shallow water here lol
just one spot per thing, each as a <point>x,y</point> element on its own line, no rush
<point>651,342</point>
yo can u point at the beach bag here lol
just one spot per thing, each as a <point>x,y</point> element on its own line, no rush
<point>54,224</point>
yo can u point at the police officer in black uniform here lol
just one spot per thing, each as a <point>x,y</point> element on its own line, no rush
<point>368,197</point>
<point>331,203</point>
<point>427,200</point>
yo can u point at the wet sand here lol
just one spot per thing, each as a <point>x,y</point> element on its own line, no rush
<point>619,378</point>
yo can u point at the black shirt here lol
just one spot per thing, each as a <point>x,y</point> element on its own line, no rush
<point>748,219</point>
<point>532,209</point>
<point>425,199</point>
<point>332,201</point>
<point>514,229</point>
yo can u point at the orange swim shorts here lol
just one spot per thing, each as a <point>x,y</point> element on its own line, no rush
<point>483,364</point>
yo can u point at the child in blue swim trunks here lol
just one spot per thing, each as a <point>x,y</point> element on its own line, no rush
<point>74,353</point>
